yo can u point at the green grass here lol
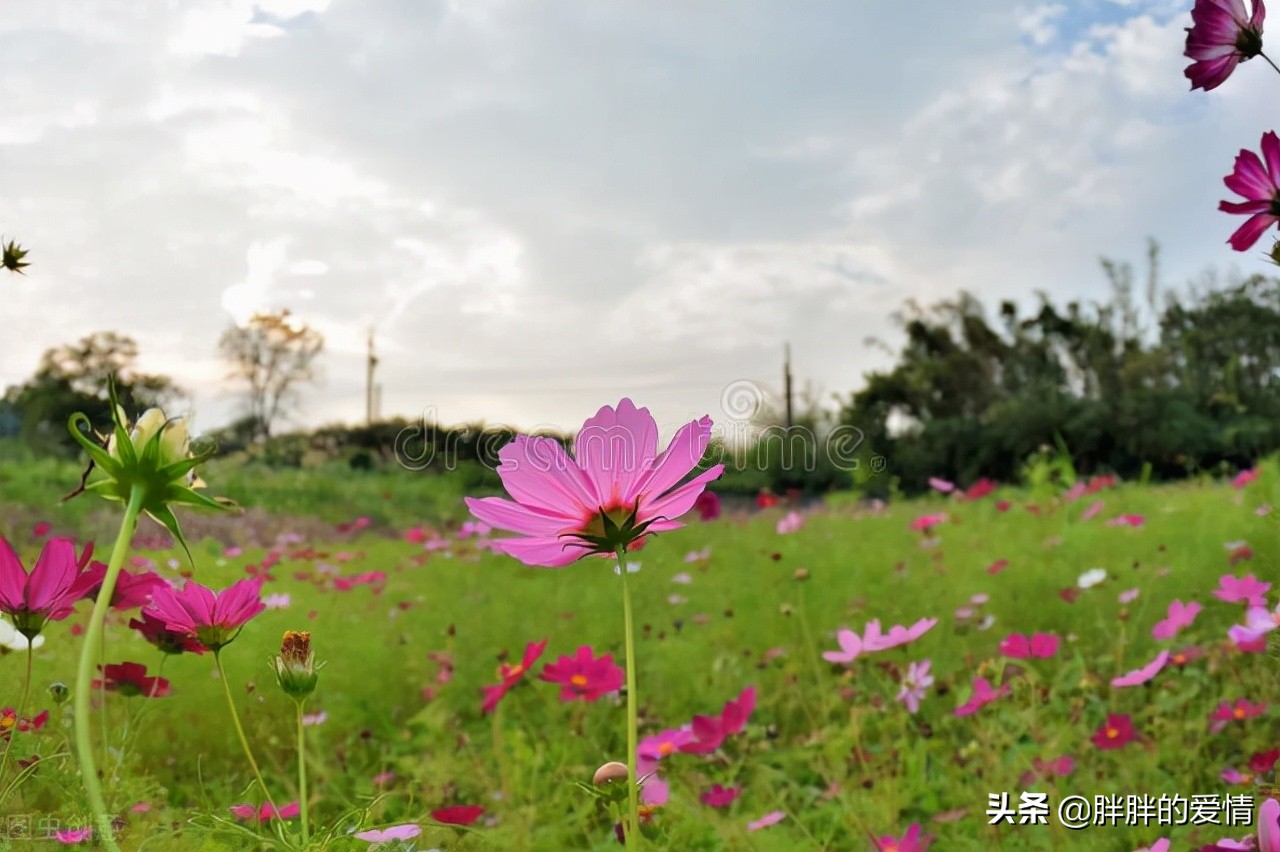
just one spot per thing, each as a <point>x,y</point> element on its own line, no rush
<point>827,744</point>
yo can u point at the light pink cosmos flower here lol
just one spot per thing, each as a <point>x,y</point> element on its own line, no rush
<point>1260,186</point>
<point>850,647</point>
<point>1248,589</point>
<point>1019,646</point>
<point>1144,674</point>
<point>1258,622</point>
<point>407,831</point>
<point>940,485</point>
<point>1127,521</point>
<point>771,818</point>
<point>1161,845</point>
<point>1268,839</point>
<point>215,619</point>
<point>914,683</point>
<point>872,640</point>
<point>1129,596</point>
<point>1180,615</point>
<point>1095,509</point>
<point>654,789</point>
<point>664,743</point>
<point>790,522</point>
<point>983,694</point>
<point>266,813</point>
<point>56,582</point>
<point>614,491</point>
<point>1221,36</point>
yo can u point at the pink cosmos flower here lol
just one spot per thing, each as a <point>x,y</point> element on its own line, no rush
<point>707,505</point>
<point>153,629</point>
<point>983,694</point>
<point>215,619</point>
<point>266,813</point>
<point>665,743</point>
<point>850,647</point>
<point>653,789</point>
<point>614,491</point>
<point>924,523</point>
<point>789,523</point>
<point>1129,596</point>
<point>1244,477</point>
<point>720,797</point>
<point>584,675</point>
<point>1127,521</point>
<point>458,814</point>
<point>1258,185</point>
<point>1268,838</point>
<point>130,679</point>
<point>132,590</point>
<point>510,675</point>
<point>1248,589</point>
<point>771,818</point>
<point>49,593</point>
<point>1161,845</point>
<point>1222,35</point>
<point>1046,769</point>
<point>710,731</point>
<point>40,529</point>
<point>1258,622</point>
<point>872,640</point>
<point>1116,732</point>
<point>1180,615</point>
<point>1144,674</point>
<point>980,489</point>
<point>997,566</point>
<point>1019,646</point>
<point>1095,508</point>
<point>914,684</point>
<point>942,486</point>
<point>72,836</point>
<point>912,841</point>
<point>408,831</point>
<point>1238,711</point>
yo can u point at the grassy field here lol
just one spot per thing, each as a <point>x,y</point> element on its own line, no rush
<point>828,745</point>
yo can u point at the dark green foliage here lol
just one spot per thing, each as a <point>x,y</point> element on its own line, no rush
<point>970,398</point>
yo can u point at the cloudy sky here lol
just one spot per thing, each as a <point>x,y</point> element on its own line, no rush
<point>542,207</point>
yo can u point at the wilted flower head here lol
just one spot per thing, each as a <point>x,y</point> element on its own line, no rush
<point>614,491</point>
<point>295,665</point>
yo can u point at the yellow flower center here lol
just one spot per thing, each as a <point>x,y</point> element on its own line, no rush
<point>666,749</point>
<point>1238,712</point>
<point>1112,733</point>
<point>1179,659</point>
<point>578,680</point>
<point>7,722</point>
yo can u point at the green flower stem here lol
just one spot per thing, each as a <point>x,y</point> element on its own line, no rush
<point>631,826</point>
<point>500,750</point>
<point>303,804</point>
<point>91,651</point>
<point>22,706</point>
<point>235,720</point>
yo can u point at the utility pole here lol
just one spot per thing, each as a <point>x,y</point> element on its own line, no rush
<point>370,406</point>
<point>786,382</point>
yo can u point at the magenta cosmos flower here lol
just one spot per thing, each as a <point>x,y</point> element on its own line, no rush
<point>615,489</point>
<point>912,841</point>
<point>213,619</point>
<point>584,675</point>
<point>49,592</point>
<point>1259,184</point>
<point>510,675</point>
<point>1116,732</point>
<point>131,679</point>
<point>1222,36</point>
<point>709,732</point>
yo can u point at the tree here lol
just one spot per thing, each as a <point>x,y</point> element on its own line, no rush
<point>73,377</point>
<point>272,354</point>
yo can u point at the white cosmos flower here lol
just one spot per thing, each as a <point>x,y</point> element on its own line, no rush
<point>12,640</point>
<point>1091,578</point>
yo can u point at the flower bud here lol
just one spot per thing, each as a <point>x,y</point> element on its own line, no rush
<point>59,692</point>
<point>295,665</point>
<point>611,771</point>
